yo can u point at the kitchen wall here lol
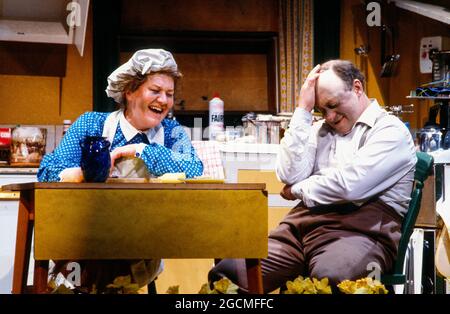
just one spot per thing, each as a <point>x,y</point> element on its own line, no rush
<point>409,28</point>
<point>239,74</point>
<point>200,15</point>
<point>204,74</point>
<point>37,99</point>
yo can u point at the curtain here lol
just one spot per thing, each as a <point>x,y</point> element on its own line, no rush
<point>295,48</point>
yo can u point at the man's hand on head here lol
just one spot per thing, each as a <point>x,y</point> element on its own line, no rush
<point>307,92</point>
<point>286,193</point>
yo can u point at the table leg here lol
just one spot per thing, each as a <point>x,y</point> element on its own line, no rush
<point>254,276</point>
<point>23,242</point>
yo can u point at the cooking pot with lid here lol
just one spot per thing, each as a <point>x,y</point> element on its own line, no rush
<point>430,138</point>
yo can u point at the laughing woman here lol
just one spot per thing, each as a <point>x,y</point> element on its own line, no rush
<point>144,87</point>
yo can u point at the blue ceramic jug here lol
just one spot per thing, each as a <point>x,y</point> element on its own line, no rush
<point>95,158</point>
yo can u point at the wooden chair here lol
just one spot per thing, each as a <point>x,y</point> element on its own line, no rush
<point>423,170</point>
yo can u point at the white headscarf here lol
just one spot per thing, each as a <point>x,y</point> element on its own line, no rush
<point>143,62</point>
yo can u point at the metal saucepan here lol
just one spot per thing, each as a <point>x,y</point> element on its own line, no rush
<point>430,138</point>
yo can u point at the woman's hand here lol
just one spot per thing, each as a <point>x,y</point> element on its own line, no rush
<point>287,194</point>
<point>307,92</point>
<point>123,151</point>
<point>72,175</point>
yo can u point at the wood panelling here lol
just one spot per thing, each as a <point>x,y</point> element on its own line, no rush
<point>412,28</point>
<point>77,85</point>
<point>240,80</point>
<point>408,28</point>
<point>20,58</point>
<point>213,15</point>
<point>354,34</point>
<point>28,99</point>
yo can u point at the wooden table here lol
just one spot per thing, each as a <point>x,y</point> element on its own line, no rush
<point>75,221</point>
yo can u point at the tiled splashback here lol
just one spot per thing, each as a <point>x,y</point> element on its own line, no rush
<point>54,134</point>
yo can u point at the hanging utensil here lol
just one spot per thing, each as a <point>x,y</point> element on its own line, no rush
<point>389,62</point>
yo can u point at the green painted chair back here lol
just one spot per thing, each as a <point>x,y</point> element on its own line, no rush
<point>424,168</point>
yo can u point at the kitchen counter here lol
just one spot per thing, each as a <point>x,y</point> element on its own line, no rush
<point>256,162</point>
<point>18,170</point>
<point>237,156</point>
<point>250,148</point>
<point>441,156</point>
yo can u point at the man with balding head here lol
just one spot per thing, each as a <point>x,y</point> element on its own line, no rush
<point>352,173</point>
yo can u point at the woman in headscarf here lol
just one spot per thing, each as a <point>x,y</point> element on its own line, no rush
<point>144,87</point>
<point>143,144</point>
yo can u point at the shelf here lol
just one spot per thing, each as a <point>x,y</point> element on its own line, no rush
<point>256,148</point>
<point>34,31</point>
<point>43,21</point>
<point>9,169</point>
<point>178,112</point>
<point>435,12</point>
<point>428,98</point>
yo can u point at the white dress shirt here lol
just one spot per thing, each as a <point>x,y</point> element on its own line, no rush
<point>327,168</point>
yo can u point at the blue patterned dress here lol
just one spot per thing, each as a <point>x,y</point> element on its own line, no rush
<point>177,154</point>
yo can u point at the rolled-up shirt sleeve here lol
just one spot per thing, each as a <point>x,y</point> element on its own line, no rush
<point>295,160</point>
<point>385,158</point>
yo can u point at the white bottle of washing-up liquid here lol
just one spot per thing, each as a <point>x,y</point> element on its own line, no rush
<point>215,117</point>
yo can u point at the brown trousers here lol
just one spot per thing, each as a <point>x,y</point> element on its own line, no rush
<point>338,242</point>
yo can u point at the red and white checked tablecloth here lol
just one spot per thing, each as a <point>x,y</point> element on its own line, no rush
<point>209,154</point>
